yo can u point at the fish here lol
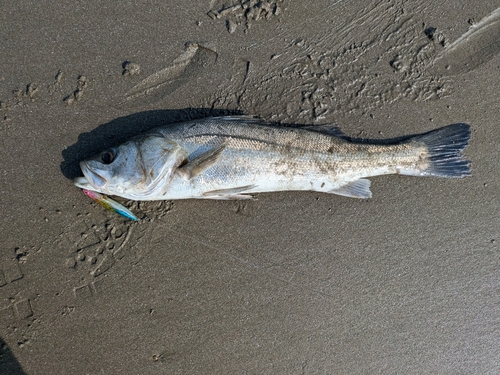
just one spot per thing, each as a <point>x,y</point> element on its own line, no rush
<point>235,157</point>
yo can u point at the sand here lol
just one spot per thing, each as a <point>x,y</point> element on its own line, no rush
<point>291,283</point>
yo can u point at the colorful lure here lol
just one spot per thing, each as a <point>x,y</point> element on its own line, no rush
<point>110,204</point>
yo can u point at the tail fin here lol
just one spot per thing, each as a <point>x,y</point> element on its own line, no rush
<point>445,148</point>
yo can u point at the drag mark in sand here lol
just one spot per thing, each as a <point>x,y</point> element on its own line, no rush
<point>472,49</point>
<point>194,60</point>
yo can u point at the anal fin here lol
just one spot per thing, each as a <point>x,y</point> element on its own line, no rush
<point>355,189</point>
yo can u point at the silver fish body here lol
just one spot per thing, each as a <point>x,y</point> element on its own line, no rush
<point>235,157</point>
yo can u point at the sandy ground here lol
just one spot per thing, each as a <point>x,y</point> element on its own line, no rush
<point>292,283</point>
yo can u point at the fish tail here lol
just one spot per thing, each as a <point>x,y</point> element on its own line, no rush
<point>444,151</point>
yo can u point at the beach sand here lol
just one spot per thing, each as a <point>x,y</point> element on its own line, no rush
<point>291,283</point>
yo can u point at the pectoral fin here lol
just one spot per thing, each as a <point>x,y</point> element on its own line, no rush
<point>355,189</point>
<point>200,163</point>
<point>230,194</point>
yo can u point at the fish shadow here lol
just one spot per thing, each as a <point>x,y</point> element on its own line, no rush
<point>123,128</point>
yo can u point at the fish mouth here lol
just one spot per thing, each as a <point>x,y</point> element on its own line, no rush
<point>83,183</point>
<point>92,180</point>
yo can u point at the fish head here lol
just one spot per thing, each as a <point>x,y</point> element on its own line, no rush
<point>138,169</point>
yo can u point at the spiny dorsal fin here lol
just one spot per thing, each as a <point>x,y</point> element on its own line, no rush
<point>325,129</point>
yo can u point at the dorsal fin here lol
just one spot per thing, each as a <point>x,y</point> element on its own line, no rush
<point>325,129</point>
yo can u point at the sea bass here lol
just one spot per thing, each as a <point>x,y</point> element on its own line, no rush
<point>235,157</point>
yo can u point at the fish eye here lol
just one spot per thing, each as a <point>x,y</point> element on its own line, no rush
<point>108,156</point>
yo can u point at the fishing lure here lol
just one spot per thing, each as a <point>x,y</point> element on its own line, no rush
<point>110,204</point>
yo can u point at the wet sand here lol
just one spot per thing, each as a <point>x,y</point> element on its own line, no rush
<point>291,283</point>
